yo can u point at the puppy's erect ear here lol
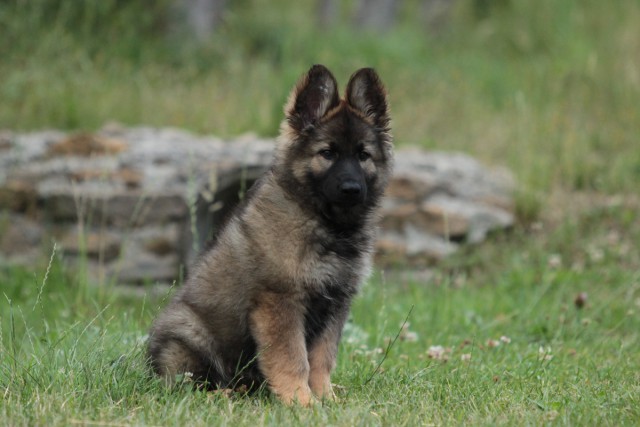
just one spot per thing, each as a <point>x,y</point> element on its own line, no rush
<point>314,95</point>
<point>366,93</point>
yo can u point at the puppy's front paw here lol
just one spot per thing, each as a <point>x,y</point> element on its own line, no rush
<point>301,396</point>
<point>320,384</point>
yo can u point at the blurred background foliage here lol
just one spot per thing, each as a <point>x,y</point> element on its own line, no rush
<point>550,89</point>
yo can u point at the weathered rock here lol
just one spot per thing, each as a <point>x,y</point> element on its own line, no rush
<point>139,194</point>
<point>101,245</point>
<point>86,144</point>
<point>18,195</point>
<point>145,267</point>
<point>159,240</point>
<point>437,201</point>
<point>410,186</point>
<point>20,238</point>
<point>460,217</point>
<point>441,222</point>
<point>114,208</point>
<point>427,216</point>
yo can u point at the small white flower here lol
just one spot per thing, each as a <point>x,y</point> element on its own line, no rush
<point>438,352</point>
<point>407,335</point>
<point>554,261</point>
<point>410,336</point>
<point>492,343</point>
<point>545,354</point>
<point>595,254</point>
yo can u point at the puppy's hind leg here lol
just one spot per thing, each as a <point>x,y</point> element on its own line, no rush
<point>172,357</point>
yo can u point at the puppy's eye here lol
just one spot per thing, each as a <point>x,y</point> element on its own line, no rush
<point>363,156</point>
<point>328,154</point>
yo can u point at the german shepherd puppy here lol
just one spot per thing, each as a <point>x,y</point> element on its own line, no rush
<point>269,300</point>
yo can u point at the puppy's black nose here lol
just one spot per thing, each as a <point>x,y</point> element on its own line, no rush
<point>350,188</point>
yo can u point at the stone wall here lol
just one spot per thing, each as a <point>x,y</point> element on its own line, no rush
<point>127,201</point>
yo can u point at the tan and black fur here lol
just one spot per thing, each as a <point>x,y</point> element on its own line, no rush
<point>269,300</point>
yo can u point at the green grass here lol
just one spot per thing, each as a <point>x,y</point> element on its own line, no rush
<point>70,353</point>
<point>549,89</point>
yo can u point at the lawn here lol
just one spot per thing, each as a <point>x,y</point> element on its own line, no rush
<point>536,327</point>
<point>540,325</point>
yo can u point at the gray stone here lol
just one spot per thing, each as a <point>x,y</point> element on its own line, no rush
<point>21,239</point>
<point>145,190</point>
<point>144,267</point>
<point>159,240</point>
<point>481,219</point>
<point>18,195</point>
<point>19,234</point>
<point>414,245</point>
<point>103,245</point>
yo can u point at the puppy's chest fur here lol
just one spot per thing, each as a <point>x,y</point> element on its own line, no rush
<point>309,262</point>
<point>322,307</point>
<point>304,256</point>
